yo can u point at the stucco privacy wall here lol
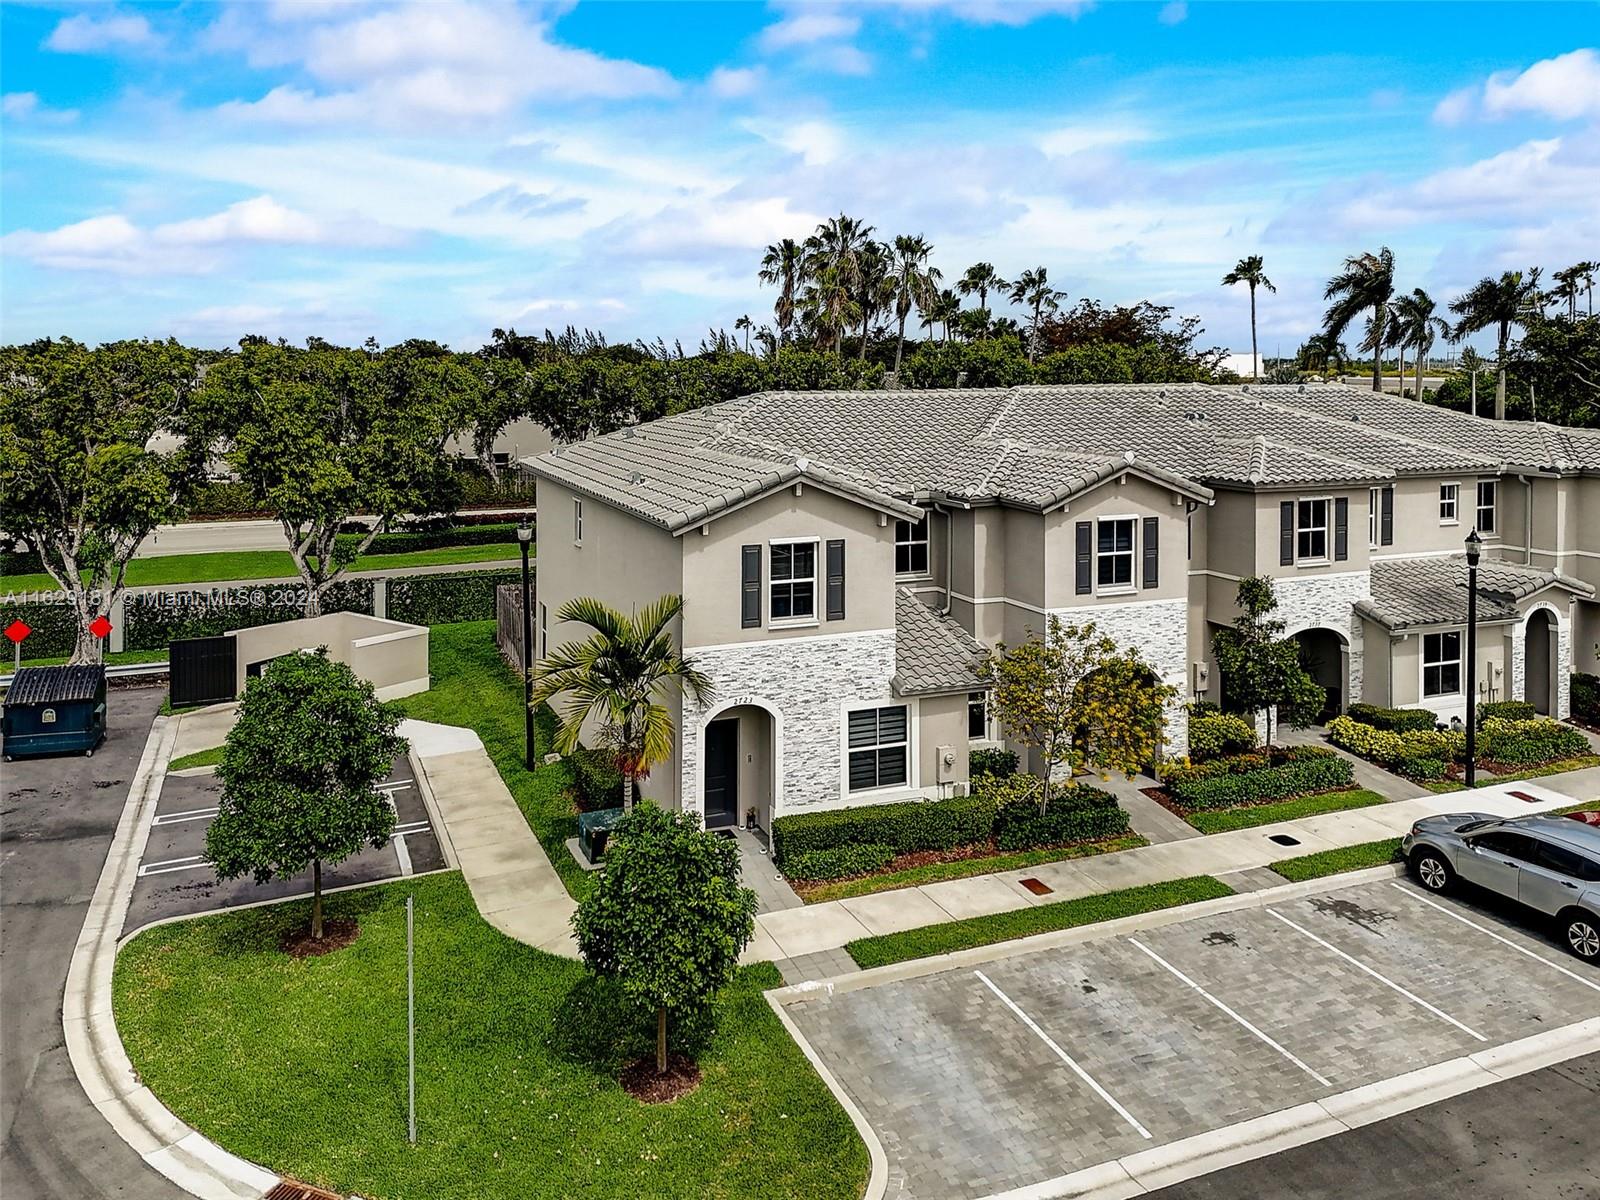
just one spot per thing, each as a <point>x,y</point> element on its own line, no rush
<point>1325,602</point>
<point>391,655</point>
<point>807,683</point>
<point>1159,631</point>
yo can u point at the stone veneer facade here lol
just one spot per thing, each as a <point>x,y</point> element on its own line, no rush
<point>1327,602</point>
<point>807,684</point>
<point>1159,631</point>
<point>1562,628</point>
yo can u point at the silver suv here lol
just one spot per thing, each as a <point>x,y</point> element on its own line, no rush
<point>1549,864</point>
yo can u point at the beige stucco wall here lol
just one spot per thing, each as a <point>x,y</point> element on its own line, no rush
<point>1376,685</point>
<point>391,655</point>
<point>1231,536</point>
<point>942,721</point>
<point>1126,496</point>
<point>1266,533</point>
<point>1493,673</point>
<point>1417,528</point>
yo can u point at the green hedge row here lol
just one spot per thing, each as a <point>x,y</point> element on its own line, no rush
<point>990,761</point>
<point>153,620</point>
<point>904,827</point>
<point>441,599</point>
<point>1586,698</point>
<point>1523,742</point>
<point>1214,734</point>
<point>1396,720</point>
<point>55,627</point>
<point>1511,710</point>
<point>596,779</point>
<point>21,562</point>
<point>1274,774</point>
<point>406,541</point>
<point>841,862</point>
<point>1075,814</point>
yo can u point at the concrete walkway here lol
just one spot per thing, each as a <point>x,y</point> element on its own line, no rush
<point>204,728</point>
<point>1148,819</point>
<point>511,879</point>
<point>817,928</point>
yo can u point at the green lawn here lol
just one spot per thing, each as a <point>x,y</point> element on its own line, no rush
<point>1334,862</point>
<point>225,565</point>
<point>473,686</point>
<point>1558,767</point>
<point>965,868</point>
<point>121,656</point>
<point>301,1065</point>
<point>1023,922</point>
<point>200,758</point>
<point>1247,816</point>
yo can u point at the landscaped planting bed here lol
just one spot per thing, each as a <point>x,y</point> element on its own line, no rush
<point>1258,787</point>
<point>1506,747</point>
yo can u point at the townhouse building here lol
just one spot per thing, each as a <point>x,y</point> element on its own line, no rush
<point>847,558</point>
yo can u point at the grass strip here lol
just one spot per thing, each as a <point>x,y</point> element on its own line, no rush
<point>1248,816</point>
<point>1023,922</point>
<point>200,758</point>
<point>1335,862</point>
<point>961,869</point>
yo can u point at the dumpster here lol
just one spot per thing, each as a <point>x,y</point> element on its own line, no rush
<point>55,710</point>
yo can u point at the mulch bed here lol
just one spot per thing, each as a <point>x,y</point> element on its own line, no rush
<point>641,1080</point>
<point>337,933</point>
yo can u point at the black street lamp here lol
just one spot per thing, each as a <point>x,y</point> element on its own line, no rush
<point>525,539</point>
<point>1474,549</point>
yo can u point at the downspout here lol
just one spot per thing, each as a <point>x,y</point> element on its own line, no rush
<point>1527,519</point>
<point>949,557</point>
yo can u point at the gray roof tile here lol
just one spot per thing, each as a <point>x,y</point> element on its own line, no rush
<point>1433,591</point>
<point>932,654</point>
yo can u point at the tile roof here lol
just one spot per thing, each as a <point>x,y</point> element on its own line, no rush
<point>1433,591</point>
<point>1035,446</point>
<point>932,654</point>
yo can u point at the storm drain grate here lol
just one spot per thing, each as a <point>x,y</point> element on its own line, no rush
<point>1525,798</point>
<point>293,1189</point>
<point>1037,886</point>
<point>1283,839</point>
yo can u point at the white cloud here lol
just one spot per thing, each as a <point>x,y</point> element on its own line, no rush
<point>1014,13</point>
<point>1565,88</point>
<point>817,142</point>
<point>1456,107</point>
<point>732,83</point>
<point>1075,139</point>
<point>806,26</point>
<point>1173,13</point>
<point>85,34</point>
<point>18,107</point>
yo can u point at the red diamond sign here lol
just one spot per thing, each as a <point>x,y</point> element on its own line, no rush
<point>18,630</point>
<point>100,627</point>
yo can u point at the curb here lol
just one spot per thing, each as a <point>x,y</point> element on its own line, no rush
<point>183,1155</point>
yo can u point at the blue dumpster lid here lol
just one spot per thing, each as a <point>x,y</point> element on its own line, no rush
<point>55,685</point>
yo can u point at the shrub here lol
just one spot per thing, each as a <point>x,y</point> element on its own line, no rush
<point>1511,710</point>
<point>407,540</point>
<point>20,561</point>
<point>153,620</point>
<point>444,599</point>
<point>1421,766</point>
<point>1397,720</point>
<point>1537,741</point>
<point>903,827</point>
<point>1367,741</point>
<point>1075,814</point>
<point>1215,734</point>
<point>991,761</point>
<point>1418,753</point>
<point>841,862</point>
<point>53,621</point>
<point>596,779</point>
<point>1276,773</point>
<point>1586,698</point>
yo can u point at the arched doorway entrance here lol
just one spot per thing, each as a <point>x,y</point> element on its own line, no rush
<point>1539,654</point>
<point>1322,654</point>
<point>739,752</point>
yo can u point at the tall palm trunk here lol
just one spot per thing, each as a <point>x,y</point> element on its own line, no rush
<point>1500,373</point>
<point>900,345</point>
<point>1420,356</point>
<point>1255,357</point>
<point>1401,365</point>
<point>1377,349</point>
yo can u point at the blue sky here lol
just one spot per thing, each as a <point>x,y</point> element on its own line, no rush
<point>440,169</point>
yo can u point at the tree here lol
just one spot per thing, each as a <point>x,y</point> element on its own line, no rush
<point>1033,290</point>
<point>1261,669</point>
<point>1365,283</point>
<point>832,265</point>
<point>874,286</point>
<point>667,919</point>
<point>1502,303</point>
<point>1568,281</point>
<point>783,265</point>
<point>1248,271</point>
<point>1559,361</point>
<point>1323,354</point>
<point>1418,327</point>
<point>618,676</point>
<point>323,433</point>
<point>915,284</point>
<point>980,280</point>
<point>79,482</point>
<point>300,774</point>
<point>746,324</point>
<point>1070,696</point>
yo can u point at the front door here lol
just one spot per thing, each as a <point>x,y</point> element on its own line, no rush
<point>722,773</point>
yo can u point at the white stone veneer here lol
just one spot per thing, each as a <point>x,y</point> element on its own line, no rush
<point>1159,631</point>
<point>1326,602</point>
<point>1561,623</point>
<point>806,683</point>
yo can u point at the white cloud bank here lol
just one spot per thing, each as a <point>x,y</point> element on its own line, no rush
<point>86,34</point>
<point>1564,88</point>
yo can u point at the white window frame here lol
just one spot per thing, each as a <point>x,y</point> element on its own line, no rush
<point>1374,516</point>
<point>1493,507</point>
<point>1132,555</point>
<point>816,574</point>
<point>987,736</point>
<point>1426,663</point>
<point>912,541</point>
<point>1450,502</point>
<point>1326,528</point>
<point>577,521</point>
<point>910,744</point>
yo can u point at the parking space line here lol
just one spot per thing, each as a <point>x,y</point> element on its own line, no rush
<point>1588,983</point>
<point>190,863</point>
<point>188,814</point>
<point>1387,982</point>
<point>1219,1004</point>
<point>1064,1056</point>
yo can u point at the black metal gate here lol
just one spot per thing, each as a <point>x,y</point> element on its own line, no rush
<point>203,670</point>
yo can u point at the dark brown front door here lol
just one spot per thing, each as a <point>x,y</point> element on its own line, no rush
<point>722,773</point>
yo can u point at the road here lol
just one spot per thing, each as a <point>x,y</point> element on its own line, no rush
<point>201,537</point>
<point>56,823</point>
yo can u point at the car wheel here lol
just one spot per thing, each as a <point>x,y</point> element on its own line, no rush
<point>1432,871</point>
<point>1581,932</point>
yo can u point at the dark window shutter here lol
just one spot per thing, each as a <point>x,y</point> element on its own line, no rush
<point>1341,529</point>
<point>750,587</point>
<point>836,579</point>
<point>1152,552</point>
<point>1085,557</point>
<point>1286,533</point>
<point>1386,518</point>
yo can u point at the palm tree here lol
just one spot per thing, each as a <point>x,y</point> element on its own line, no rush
<point>618,677</point>
<point>1033,290</point>
<point>980,280</point>
<point>914,283</point>
<point>1323,353</point>
<point>1502,302</point>
<point>1586,273</point>
<point>1248,270</point>
<point>784,265</point>
<point>1366,282</point>
<point>746,324</point>
<point>874,285</point>
<point>1418,326</point>
<point>833,261</point>
<point>1569,280</point>
<point>946,308</point>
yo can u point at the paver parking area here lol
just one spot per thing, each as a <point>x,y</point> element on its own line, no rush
<point>979,1080</point>
<point>174,879</point>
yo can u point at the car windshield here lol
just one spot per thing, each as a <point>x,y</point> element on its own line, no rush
<point>1472,825</point>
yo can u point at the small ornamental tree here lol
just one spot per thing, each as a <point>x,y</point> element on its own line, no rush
<point>1261,669</point>
<point>300,772</point>
<point>667,919</point>
<point>1122,715</point>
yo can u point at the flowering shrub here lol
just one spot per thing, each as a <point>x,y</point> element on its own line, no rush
<point>1274,773</point>
<point>1214,734</point>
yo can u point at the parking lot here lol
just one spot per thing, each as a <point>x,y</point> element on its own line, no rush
<point>1027,1068</point>
<point>175,881</point>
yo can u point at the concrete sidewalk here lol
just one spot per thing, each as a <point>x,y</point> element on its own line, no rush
<point>511,879</point>
<point>820,928</point>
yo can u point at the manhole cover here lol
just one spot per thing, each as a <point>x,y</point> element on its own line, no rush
<point>293,1189</point>
<point>1037,886</point>
<point>1283,839</point>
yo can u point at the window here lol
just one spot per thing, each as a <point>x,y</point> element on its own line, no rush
<point>1374,520</point>
<point>1568,862</point>
<point>1441,663</point>
<point>577,522</point>
<point>879,747</point>
<point>794,581</point>
<point>1449,497</point>
<point>1512,845</point>
<point>911,547</point>
<point>1311,530</point>
<point>1114,555</point>
<point>978,716</point>
<point>544,632</point>
<point>1488,500</point>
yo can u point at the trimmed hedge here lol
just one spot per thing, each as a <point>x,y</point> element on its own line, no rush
<point>596,779</point>
<point>1416,754</point>
<point>1396,720</point>
<point>407,541</point>
<point>1586,697</point>
<point>991,761</point>
<point>1276,773</point>
<point>1075,814</point>
<point>904,827</point>
<point>54,624</point>
<point>1215,734</point>
<point>14,561</point>
<point>153,620</point>
<point>841,862</point>
<point>1537,741</point>
<point>445,599</point>
<point>1511,710</point>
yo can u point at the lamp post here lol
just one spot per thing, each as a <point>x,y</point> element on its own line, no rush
<point>1474,549</point>
<point>525,539</point>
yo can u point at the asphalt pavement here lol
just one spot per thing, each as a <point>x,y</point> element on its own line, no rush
<point>56,824</point>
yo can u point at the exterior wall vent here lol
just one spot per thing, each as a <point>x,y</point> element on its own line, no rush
<point>636,477</point>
